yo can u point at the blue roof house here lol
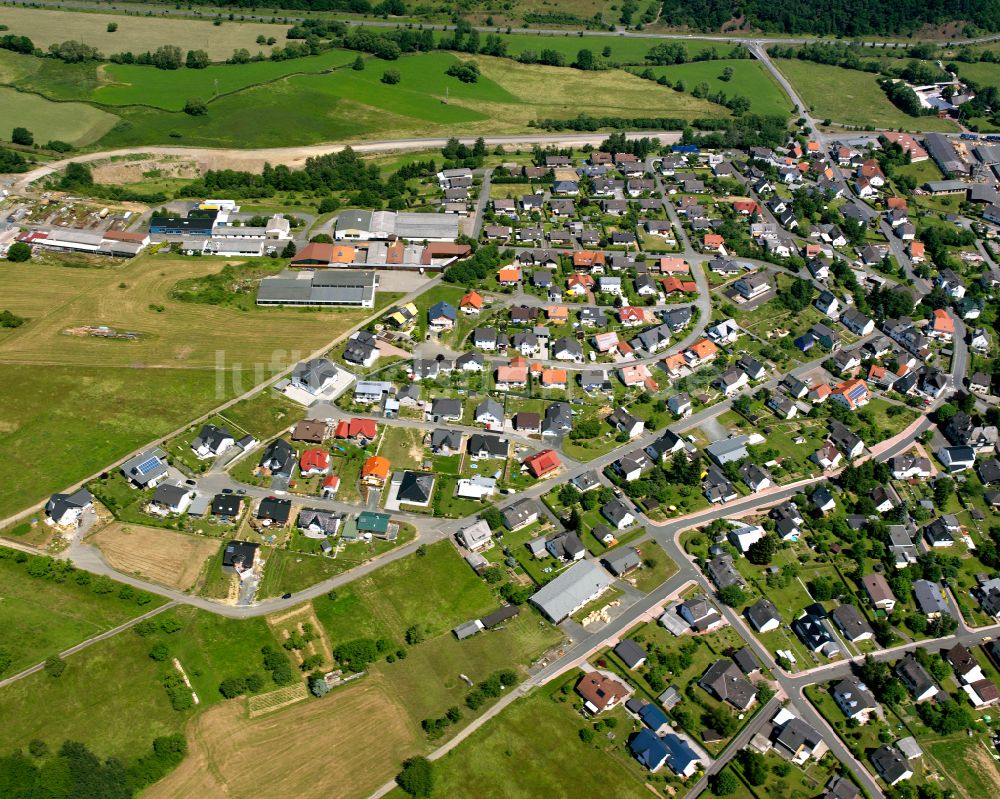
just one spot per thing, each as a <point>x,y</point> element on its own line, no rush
<point>654,718</point>
<point>649,750</point>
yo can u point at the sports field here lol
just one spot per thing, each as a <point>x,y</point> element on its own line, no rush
<point>172,559</point>
<point>99,399</point>
<point>749,79</point>
<point>851,97</point>
<point>138,33</point>
<point>76,123</point>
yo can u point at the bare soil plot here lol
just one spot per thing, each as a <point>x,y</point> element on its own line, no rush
<point>344,745</point>
<point>163,556</point>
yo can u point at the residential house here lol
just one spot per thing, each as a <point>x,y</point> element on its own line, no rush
<point>724,680</point>
<point>853,626</point>
<point>879,592</point>
<point>855,700</point>
<point>915,677</point>
<point>764,616</point>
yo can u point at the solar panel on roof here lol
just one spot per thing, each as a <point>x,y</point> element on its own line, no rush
<point>148,465</point>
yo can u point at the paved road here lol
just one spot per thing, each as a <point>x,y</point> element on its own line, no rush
<point>89,642</point>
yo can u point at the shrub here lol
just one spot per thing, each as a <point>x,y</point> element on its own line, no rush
<point>391,77</point>
<point>417,777</point>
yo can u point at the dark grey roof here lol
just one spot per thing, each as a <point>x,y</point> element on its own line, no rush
<point>416,487</point>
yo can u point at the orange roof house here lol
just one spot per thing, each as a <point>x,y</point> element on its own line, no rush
<point>701,351</point>
<point>853,393</point>
<point>579,283</point>
<point>509,275</point>
<point>557,314</point>
<point>812,146</point>
<point>331,484</point>
<point>672,284</point>
<point>587,260</point>
<point>916,250</point>
<point>896,203</point>
<point>674,266</point>
<point>375,470</point>
<point>942,327</point>
<point>713,241</point>
<point>471,302</point>
<point>635,375</point>
<point>343,254</point>
<point>314,461</point>
<point>512,375</point>
<point>819,393</point>
<point>674,363</point>
<point>542,463</point>
<point>554,378</point>
<point>745,207</point>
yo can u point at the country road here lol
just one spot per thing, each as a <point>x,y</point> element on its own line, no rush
<point>296,156</point>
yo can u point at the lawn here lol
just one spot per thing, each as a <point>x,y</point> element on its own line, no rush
<point>138,33</point>
<point>77,123</point>
<point>857,99</point>
<point>40,617</point>
<point>131,84</point>
<point>437,589</point>
<point>403,446</point>
<point>501,760</point>
<point>100,399</point>
<point>750,79</point>
<point>109,696</point>
<point>293,570</point>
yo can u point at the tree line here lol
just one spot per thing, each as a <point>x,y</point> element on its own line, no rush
<point>835,17</point>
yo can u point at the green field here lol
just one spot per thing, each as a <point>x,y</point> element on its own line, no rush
<point>41,617</point>
<point>501,760</point>
<point>109,696</point>
<point>128,84</point>
<point>308,107</point>
<point>76,123</point>
<point>750,79</point>
<point>851,97</point>
<point>624,50</point>
<point>95,400</point>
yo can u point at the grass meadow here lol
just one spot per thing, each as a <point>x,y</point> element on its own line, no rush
<point>851,97</point>
<point>750,79</point>
<point>77,123</point>
<point>289,103</point>
<point>96,400</point>
<point>39,617</point>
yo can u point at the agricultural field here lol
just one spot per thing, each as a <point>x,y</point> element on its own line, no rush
<point>110,697</point>
<point>360,736</point>
<point>102,398</point>
<point>857,101</point>
<point>138,33</point>
<point>172,559</point>
<point>750,79</point>
<point>310,107</point>
<point>78,124</point>
<point>39,617</point>
<point>129,84</point>
<point>501,759</point>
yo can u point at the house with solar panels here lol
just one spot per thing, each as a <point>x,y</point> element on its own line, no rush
<point>147,469</point>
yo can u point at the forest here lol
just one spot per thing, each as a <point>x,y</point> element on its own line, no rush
<point>833,17</point>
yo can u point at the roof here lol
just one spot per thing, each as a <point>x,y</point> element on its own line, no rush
<point>724,679</point>
<point>541,463</point>
<point>600,690</point>
<point>373,522</point>
<point>415,487</point>
<point>571,590</point>
<point>630,653</point>
<point>239,553</point>
<point>376,466</point>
